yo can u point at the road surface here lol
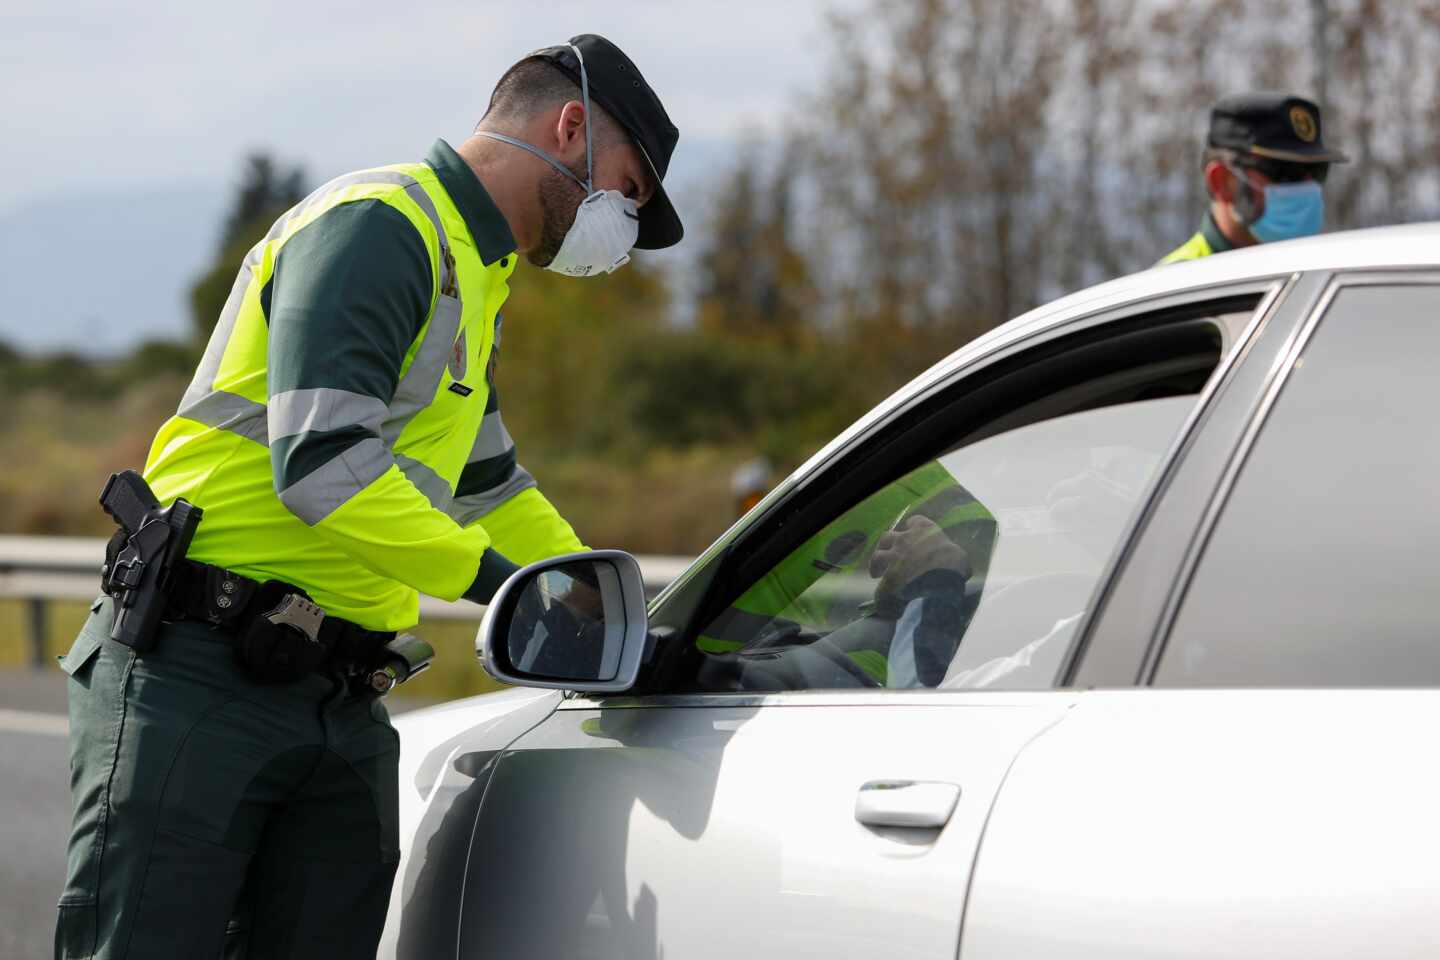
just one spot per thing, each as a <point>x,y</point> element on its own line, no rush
<point>35,808</point>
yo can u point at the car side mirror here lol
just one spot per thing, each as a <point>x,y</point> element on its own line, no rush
<point>574,622</point>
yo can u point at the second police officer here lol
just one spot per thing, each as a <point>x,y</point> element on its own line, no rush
<point>1265,166</point>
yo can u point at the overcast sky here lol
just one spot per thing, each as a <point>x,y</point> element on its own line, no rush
<point>126,123</point>
<point>100,93</point>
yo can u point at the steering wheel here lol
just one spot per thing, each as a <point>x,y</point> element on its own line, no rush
<point>781,661</point>
<point>842,660</point>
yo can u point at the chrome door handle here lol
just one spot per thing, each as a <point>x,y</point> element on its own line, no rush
<point>906,803</point>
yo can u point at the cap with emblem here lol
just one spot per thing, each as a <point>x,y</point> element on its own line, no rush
<point>617,86</point>
<point>1275,126</point>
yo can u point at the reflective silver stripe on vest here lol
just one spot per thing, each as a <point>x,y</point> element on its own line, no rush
<point>229,411</point>
<point>493,440</point>
<point>203,383</point>
<point>427,481</point>
<point>317,495</point>
<point>323,409</point>
<point>466,510</point>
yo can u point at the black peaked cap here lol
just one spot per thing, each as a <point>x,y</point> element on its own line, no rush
<point>617,86</point>
<point>1277,126</point>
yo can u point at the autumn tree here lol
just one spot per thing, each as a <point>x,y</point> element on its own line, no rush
<point>929,136</point>
<point>756,367</point>
<point>980,157</point>
<point>755,280</point>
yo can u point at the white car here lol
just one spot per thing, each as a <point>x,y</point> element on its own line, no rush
<point>1116,634</point>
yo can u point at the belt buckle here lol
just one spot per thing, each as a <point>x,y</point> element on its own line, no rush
<point>299,614</point>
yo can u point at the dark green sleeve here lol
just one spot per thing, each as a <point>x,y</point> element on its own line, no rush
<point>348,296</point>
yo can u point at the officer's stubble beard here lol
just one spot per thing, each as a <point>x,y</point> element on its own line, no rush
<point>560,199</point>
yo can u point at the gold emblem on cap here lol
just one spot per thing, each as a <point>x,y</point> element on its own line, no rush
<point>1303,123</point>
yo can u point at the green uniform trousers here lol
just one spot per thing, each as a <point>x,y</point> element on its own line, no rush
<point>215,817</point>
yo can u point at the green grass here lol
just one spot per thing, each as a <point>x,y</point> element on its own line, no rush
<point>456,673</point>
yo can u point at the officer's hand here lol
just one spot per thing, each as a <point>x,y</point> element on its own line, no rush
<point>915,547</point>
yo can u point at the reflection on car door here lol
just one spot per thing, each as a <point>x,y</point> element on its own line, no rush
<point>709,827</point>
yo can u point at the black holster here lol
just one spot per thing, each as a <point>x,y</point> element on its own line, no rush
<point>144,557</point>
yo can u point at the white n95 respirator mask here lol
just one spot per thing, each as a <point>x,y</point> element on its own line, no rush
<point>606,227</point>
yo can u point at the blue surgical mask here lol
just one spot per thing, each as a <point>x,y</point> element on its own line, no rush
<point>1291,210</point>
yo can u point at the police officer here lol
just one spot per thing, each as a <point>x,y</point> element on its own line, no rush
<point>233,787</point>
<point>1264,166</point>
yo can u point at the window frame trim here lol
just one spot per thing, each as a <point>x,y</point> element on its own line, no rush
<point>1239,456</point>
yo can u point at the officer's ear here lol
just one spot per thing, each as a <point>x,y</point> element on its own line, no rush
<point>1220,181</point>
<point>569,129</point>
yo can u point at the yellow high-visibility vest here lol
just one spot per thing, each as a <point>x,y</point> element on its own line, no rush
<point>363,532</point>
<point>1192,249</point>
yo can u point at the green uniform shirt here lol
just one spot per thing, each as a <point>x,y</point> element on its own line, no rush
<point>343,433</point>
<point>1207,240</point>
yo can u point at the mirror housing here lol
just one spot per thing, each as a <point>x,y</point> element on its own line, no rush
<point>572,622</point>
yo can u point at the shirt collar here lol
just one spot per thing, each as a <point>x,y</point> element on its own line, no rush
<point>487,226</point>
<point>1211,231</point>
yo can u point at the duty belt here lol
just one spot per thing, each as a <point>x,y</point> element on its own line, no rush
<point>228,599</point>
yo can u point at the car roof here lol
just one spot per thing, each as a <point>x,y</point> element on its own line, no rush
<point>1409,245</point>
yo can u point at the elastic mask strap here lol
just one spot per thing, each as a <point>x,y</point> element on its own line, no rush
<point>535,150</point>
<point>1246,207</point>
<point>585,98</point>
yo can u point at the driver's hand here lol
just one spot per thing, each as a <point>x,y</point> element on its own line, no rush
<point>915,547</point>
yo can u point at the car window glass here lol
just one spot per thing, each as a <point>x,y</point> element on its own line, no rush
<point>1321,569</point>
<point>970,571</point>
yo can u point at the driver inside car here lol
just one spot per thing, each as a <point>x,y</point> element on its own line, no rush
<point>836,601</point>
<point>928,576</point>
<point>922,575</point>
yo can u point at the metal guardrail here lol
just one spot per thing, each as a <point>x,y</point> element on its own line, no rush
<point>39,570</point>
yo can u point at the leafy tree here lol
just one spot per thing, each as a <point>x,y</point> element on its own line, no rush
<point>979,157</point>
<point>755,283</point>
<point>265,192</point>
<point>154,359</point>
<point>561,342</point>
<point>700,387</point>
<point>928,145</point>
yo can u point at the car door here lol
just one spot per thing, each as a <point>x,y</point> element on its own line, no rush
<point>819,735</point>
<point>1273,792</point>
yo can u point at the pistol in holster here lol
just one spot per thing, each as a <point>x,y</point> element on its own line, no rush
<point>143,556</point>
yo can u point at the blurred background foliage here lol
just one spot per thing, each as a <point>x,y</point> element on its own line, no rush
<point>963,161</point>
